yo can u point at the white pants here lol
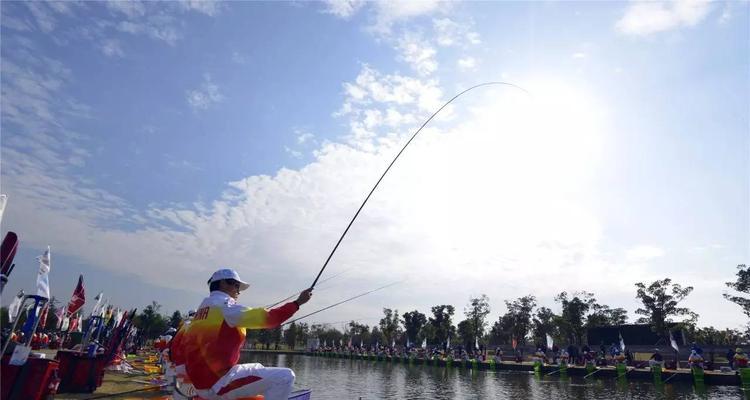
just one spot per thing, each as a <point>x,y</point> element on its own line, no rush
<point>245,380</point>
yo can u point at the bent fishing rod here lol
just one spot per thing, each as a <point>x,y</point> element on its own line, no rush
<point>342,302</point>
<point>396,158</point>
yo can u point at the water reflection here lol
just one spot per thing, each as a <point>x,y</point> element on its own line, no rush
<point>344,379</point>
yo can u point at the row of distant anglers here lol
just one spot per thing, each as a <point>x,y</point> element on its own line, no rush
<point>30,375</point>
<point>538,366</point>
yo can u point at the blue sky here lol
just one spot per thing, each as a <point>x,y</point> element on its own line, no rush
<point>150,143</point>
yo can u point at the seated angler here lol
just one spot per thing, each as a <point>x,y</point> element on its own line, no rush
<point>213,340</point>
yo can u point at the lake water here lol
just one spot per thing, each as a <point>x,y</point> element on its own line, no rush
<point>343,379</point>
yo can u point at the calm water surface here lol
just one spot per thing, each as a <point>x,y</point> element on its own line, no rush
<point>343,379</point>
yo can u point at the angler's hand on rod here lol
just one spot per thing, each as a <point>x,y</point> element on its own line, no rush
<point>304,297</point>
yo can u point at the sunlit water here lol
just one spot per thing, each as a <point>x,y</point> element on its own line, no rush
<point>342,379</point>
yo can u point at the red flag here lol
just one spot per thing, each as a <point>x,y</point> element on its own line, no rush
<point>514,342</point>
<point>73,324</point>
<point>43,317</point>
<point>78,299</point>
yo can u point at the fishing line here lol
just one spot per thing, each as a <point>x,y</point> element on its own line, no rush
<point>341,302</point>
<point>396,158</point>
<point>297,293</point>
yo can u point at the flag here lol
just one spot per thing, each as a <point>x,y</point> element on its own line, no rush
<point>73,324</point>
<point>622,343</point>
<point>60,314</point>
<point>408,342</point>
<point>514,343</point>
<point>95,310</point>
<point>15,306</point>
<point>361,343</point>
<point>3,202</point>
<point>448,343</point>
<point>673,342</point>
<point>42,279</point>
<point>43,317</point>
<point>550,342</point>
<point>424,343</point>
<point>350,343</point>
<point>78,299</point>
<point>476,343</point>
<point>65,324</point>
<point>393,342</point>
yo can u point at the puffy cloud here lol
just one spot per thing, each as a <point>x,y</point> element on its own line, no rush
<point>467,63</point>
<point>418,54</point>
<point>343,8</point>
<point>645,18</point>
<point>112,48</point>
<point>450,33</point>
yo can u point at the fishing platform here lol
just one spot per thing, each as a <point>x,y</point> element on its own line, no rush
<point>620,371</point>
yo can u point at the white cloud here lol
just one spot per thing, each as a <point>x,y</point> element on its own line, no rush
<point>210,8</point>
<point>418,54</point>
<point>205,96</point>
<point>343,8</point>
<point>579,55</point>
<point>451,33</point>
<point>43,16</point>
<point>131,9</point>
<point>726,14</point>
<point>303,136</point>
<point>467,63</point>
<point>112,48</point>
<point>645,18</point>
<point>644,253</point>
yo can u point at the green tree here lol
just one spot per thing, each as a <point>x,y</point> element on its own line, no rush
<point>466,333</point>
<point>519,314</point>
<point>360,333</point>
<point>574,310</point>
<point>150,322</point>
<point>660,300</point>
<point>502,330</point>
<point>476,313</point>
<point>441,322</point>
<point>175,320</point>
<point>545,322</point>
<point>414,321</point>
<point>290,336</point>
<point>390,325</point>
<point>602,315</point>
<point>741,285</point>
<point>427,333</point>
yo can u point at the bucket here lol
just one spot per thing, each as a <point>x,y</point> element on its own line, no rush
<point>35,380</point>
<point>80,373</point>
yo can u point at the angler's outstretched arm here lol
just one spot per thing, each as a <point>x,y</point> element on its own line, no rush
<point>259,318</point>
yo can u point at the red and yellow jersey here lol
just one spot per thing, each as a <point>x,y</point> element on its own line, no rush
<point>211,343</point>
<point>176,348</point>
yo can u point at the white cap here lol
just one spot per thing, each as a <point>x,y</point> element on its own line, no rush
<point>228,273</point>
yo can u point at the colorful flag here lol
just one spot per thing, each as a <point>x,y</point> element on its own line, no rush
<point>60,314</point>
<point>42,279</point>
<point>673,342</point>
<point>622,343</point>
<point>15,306</point>
<point>65,324</point>
<point>43,317</point>
<point>95,311</point>
<point>514,343</point>
<point>550,342</point>
<point>73,325</point>
<point>78,299</point>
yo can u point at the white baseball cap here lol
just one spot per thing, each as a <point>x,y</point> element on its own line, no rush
<point>228,273</point>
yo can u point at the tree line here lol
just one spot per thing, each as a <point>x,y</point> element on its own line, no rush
<point>523,322</point>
